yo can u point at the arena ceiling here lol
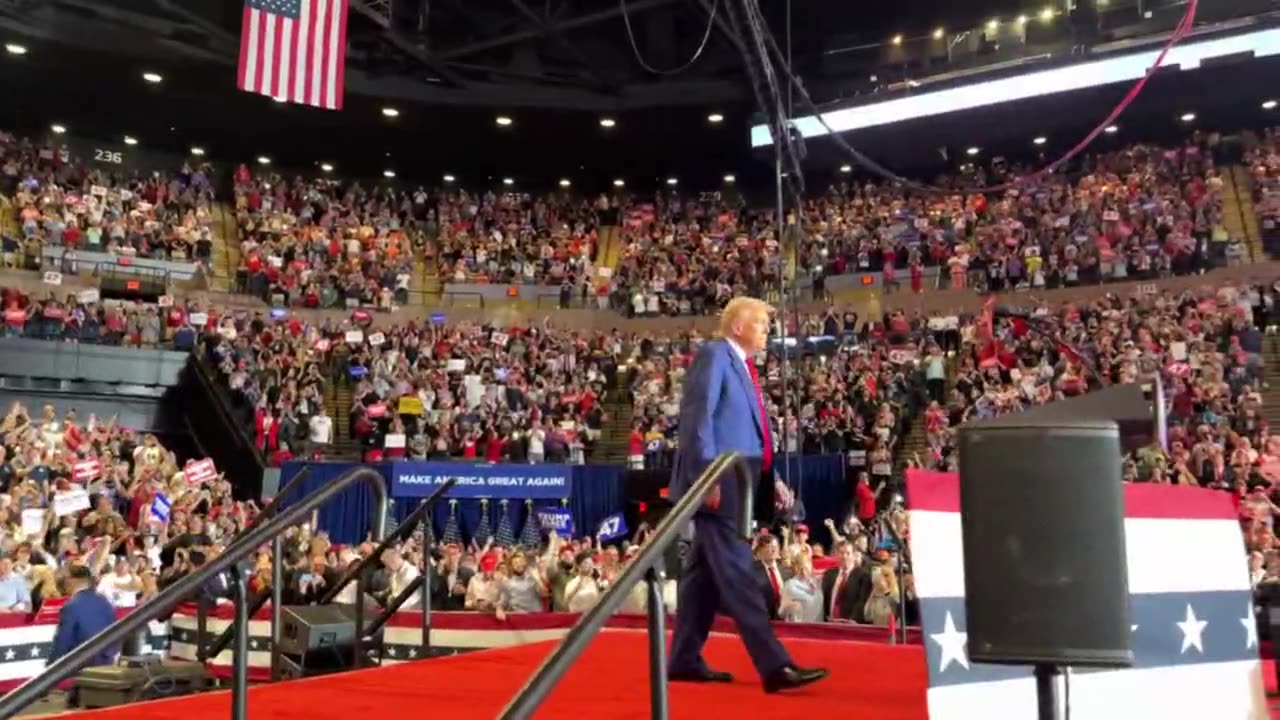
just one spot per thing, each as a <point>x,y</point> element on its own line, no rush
<point>556,67</point>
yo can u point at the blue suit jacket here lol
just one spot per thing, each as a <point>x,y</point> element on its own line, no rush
<point>719,412</point>
<point>86,614</point>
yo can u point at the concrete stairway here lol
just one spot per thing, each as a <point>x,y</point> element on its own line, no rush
<point>226,248</point>
<point>616,433</point>
<point>1238,213</point>
<point>339,406</point>
<point>1271,376</point>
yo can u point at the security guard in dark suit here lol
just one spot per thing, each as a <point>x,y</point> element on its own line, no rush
<point>87,613</point>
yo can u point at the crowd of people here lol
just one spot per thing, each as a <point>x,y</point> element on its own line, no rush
<point>518,237</point>
<point>503,394</point>
<point>325,243</point>
<point>1140,212</point>
<point>88,492</point>
<point>63,201</point>
<point>684,256</point>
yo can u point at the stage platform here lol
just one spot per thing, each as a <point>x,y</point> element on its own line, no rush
<point>610,680</point>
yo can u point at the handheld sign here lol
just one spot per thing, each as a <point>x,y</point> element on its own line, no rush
<point>559,520</point>
<point>612,528</point>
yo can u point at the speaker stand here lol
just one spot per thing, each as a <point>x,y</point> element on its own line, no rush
<point>1047,691</point>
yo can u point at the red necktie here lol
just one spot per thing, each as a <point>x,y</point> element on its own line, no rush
<point>766,456</point>
<point>773,580</point>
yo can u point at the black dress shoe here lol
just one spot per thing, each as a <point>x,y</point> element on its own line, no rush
<point>705,676</point>
<point>790,677</point>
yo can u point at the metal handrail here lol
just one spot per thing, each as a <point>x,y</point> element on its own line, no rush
<point>162,604</point>
<point>645,565</point>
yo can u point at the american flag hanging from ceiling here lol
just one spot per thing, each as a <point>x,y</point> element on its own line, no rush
<point>294,50</point>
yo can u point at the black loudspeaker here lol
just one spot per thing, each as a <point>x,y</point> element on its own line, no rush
<point>1042,512</point>
<point>319,639</point>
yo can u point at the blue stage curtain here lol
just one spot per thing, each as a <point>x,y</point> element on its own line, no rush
<point>346,517</point>
<point>597,494</point>
<point>823,490</point>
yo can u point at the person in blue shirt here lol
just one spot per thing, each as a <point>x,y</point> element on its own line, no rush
<point>87,613</point>
<point>15,596</point>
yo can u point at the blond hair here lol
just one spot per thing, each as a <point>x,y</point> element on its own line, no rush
<point>738,308</point>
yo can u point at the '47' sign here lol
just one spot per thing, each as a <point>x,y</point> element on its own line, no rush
<point>613,527</point>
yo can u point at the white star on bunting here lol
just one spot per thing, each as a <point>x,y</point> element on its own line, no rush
<point>392,651</point>
<point>35,651</point>
<point>1250,628</point>
<point>9,654</point>
<point>951,642</point>
<point>1192,631</point>
<point>413,652</point>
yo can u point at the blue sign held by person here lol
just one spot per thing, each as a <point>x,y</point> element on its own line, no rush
<point>160,507</point>
<point>612,528</point>
<point>437,318</point>
<point>557,519</point>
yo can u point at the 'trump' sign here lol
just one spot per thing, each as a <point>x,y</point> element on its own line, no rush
<point>420,479</point>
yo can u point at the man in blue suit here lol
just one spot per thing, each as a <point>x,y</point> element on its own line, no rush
<point>723,410</point>
<point>86,613</point>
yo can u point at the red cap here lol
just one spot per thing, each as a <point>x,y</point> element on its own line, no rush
<point>489,562</point>
<point>802,528</point>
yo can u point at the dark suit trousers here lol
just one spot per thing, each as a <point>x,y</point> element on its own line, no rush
<point>719,570</point>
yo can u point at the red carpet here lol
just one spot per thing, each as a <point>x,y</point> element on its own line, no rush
<point>610,681</point>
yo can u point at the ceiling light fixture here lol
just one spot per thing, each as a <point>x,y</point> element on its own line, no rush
<point>729,179</point>
<point>1040,140</point>
<point>1269,105</point>
<point>390,112</point>
<point>15,49</point>
<point>993,25</point>
<point>974,150</point>
<point>619,182</point>
<point>129,140</point>
<point>715,118</point>
<point>326,167</point>
<point>197,151</point>
<point>564,182</point>
<point>1111,129</point>
<point>607,122</point>
<point>449,178</point>
<point>1047,14</point>
<point>846,168</point>
<point>939,33</point>
<point>60,129</point>
<point>264,160</point>
<point>503,121</point>
<point>388,174</point>
<point>153,78</point>
<point>1188,117</point>
<point>672,181</point>
<point>508,181</point>
<point>897,39</point>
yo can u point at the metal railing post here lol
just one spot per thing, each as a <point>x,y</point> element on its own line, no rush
<point>658,706</point>
<point>357,646</point>
<point>426,600</point>
<point>277,595</point>
<point>240,655</point>
<point>202,622</point>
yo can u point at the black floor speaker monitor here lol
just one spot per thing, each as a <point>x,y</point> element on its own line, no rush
<point>1042,511</point>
